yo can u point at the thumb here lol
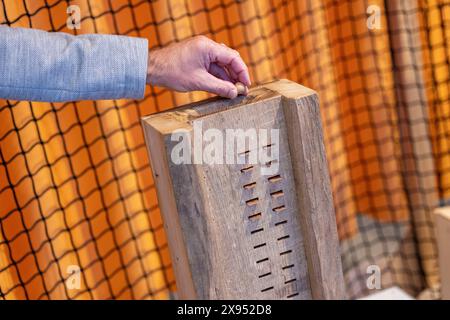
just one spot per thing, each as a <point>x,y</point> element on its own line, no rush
<point>226,89</point>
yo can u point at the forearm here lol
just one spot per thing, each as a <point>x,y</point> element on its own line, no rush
<point>41,66</point>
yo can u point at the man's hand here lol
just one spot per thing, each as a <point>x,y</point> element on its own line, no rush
<point>198,64</point>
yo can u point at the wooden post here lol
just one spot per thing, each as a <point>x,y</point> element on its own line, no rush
<point>442,222</point>
<point>415,143</point>
<point>248,230</point>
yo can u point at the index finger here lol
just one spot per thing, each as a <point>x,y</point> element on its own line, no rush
<point>224,55</point>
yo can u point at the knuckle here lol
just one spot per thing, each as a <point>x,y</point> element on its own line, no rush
<point>200,40</point>
<point>219,89</point>
<point>195,81</point>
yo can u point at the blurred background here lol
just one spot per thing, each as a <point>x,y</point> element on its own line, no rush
<point>75,183</point>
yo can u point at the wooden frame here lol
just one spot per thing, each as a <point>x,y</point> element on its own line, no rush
<point>234,233</point>
<point>413,118</point>
<point>442,222</point>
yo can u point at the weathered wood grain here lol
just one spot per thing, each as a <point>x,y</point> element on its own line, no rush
<point>442,221</point>
<point>235,233</point>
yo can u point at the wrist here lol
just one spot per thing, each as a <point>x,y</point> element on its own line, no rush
<point>154,67</point>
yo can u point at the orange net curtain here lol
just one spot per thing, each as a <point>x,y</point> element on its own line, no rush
<point>75,183</point>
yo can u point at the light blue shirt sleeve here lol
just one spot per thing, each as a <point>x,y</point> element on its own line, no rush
<point>42,66</point>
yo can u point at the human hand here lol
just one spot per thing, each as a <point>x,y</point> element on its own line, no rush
<point>198,63</point>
